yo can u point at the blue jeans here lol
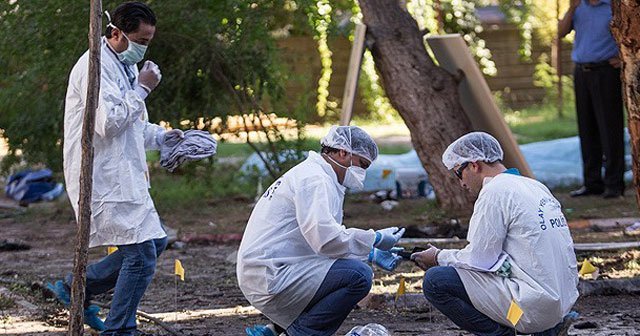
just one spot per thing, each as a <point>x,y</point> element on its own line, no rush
<point>444,289</point>
<point>128,271</point>
<point>347,282</point>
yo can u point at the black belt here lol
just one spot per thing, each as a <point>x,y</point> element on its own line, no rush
<point>593,66</point>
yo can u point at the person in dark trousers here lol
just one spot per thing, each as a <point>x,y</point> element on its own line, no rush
<point>598,92</point>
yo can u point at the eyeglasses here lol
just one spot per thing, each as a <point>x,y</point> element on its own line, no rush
<point>458,171</point>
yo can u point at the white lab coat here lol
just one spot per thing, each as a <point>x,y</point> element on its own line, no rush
<point>293,237</point>
<point>122,210</point>
<point>517,219</point>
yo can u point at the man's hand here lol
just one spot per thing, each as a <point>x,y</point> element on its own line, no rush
<point>615,62</point>
<point>149,76</point>
<point>427,258</point>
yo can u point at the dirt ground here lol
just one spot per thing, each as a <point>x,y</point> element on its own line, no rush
<point>209,302</point>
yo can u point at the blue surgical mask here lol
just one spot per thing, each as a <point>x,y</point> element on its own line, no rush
<point>134,53</point>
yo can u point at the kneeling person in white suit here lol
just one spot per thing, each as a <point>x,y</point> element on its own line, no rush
<point>520,250</point>
<point>297,263</point>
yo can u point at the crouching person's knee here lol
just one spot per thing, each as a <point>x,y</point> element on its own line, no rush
<point>435,281</point>
<point>363,277</point>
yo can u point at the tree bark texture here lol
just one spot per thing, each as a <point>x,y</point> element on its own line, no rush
<point>625,27</point>
<point>425,95</point>
<point>76,314</point>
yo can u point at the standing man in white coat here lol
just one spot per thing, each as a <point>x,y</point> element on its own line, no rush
<point>297,263</point>
<point>123,213</point>
<point>520,249</point>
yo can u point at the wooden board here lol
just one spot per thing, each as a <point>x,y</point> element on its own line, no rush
<point>353,73</point>
<point>452,53</point>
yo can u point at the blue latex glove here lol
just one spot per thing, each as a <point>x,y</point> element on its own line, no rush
<point>388,260</point>
<point>387,238</point>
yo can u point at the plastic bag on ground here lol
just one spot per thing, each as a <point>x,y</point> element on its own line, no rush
<point>371,329</point>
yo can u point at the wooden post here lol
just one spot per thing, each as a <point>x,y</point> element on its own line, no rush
<point>556,56</point>
<point>353,73</point>
<point>76,323</point>
<point>437,5</point>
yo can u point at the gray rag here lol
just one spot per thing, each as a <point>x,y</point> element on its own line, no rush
<point>195,145</point>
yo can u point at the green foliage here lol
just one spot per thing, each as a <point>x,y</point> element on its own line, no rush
<point>197,182</point>
<point>458,16</point>
<point>519,12</point>
<point>530,16</point>
<point>218,58</point>
<point>546,76</point>
<point>541,122</point>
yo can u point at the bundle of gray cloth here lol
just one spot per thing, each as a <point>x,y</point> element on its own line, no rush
<point>195,145</point>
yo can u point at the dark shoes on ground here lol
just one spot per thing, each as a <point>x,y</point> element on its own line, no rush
<point>584,191</point>
<point>607,194</point>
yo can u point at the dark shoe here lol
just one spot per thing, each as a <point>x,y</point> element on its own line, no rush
<point>584,191</point>
<point>610,194</point>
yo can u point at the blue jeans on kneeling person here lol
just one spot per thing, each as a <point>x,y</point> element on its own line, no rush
<point>347,282</point>
<point>444,289</point>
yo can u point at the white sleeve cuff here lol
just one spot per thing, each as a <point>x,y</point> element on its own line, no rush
<point>160,137</point>
<point>141,92</point>
<point>444,257</point>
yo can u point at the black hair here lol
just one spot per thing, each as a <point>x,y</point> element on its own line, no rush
<point>128,16</point>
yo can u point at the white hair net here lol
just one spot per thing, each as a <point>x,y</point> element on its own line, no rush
<point>472,147</point>
<point>352,139</point>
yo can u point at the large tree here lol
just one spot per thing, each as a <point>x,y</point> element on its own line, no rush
<point>626,30</point>
<point>425,95</point>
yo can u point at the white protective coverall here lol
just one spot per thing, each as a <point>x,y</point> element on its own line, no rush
<point>122,210</point>
<point>293,237</point>
<point>516,218</point>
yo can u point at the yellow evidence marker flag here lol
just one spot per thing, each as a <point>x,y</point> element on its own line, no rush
<point>587,268</point>
<point>401,288</point>
<point>515,313</point>
<point>179,270</point>
<point>111,249</point>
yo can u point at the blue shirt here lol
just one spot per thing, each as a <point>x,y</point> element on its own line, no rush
<point>593,41</point>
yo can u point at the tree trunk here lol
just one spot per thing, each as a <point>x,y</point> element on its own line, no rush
<point>425,95</point>
<point>76,314</point>
<point>626,30</point>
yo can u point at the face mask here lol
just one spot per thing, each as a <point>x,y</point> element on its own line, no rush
<point>353,176</point>
<point>134,53</point>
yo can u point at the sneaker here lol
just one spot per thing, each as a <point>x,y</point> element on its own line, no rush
<point>261,330</point>
<point>61,291</point>
<point>91,318</point>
